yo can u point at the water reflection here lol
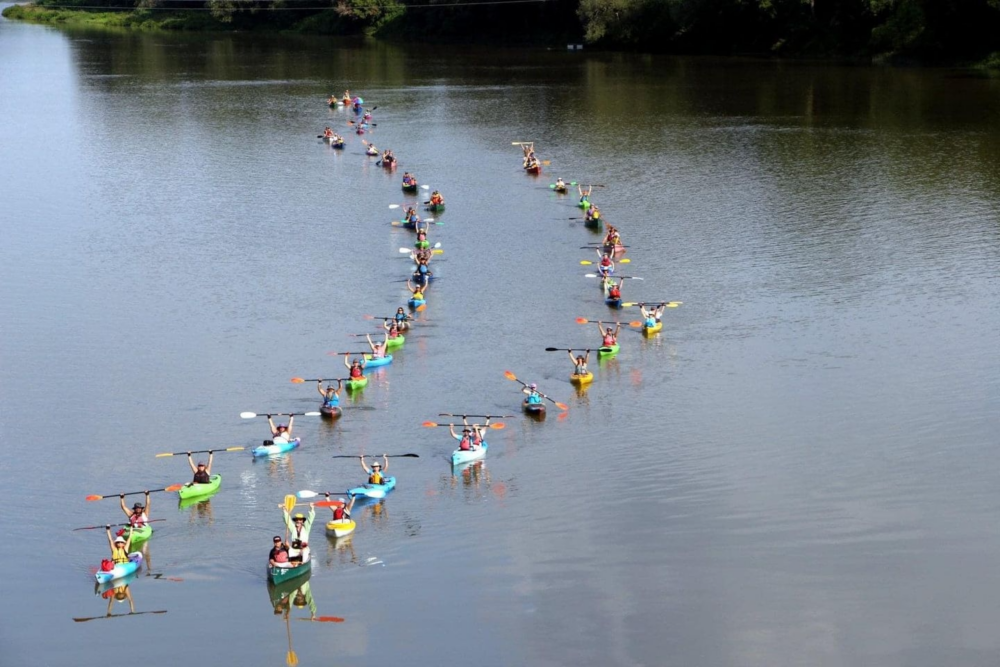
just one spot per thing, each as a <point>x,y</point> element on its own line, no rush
<point>117,592</point>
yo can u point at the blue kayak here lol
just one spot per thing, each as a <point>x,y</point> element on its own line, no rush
<point>459,457</point>
<point>614,303</point>
<point>275,447</point>
<point>374,490</point>
<point>416,302</point>
<point>375,363</point>
<point>121,569</point>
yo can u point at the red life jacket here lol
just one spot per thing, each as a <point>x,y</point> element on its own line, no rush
<point>615,292</point>
<point>609,341</point>
<point>338,514</point>
<point>357,371</point>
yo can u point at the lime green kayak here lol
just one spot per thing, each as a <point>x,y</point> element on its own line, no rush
<point>359,383</point>
<point>393,343</point>
<point>193,490</point>
<point>138,535</point>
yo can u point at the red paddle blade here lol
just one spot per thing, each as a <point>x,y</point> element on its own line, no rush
<point>174,487</point>
<point>581,320</point>
<point>427,424</point>
<point>498,426</point>
<point>329,503</point>
<point>298,380</point>
<point>509,375</point>
<point>89,498</point>
<point>562,406</point>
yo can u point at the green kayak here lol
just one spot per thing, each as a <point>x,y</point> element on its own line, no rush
<point>139,535</point>
<point>360,383</point>
<point>393,343</point>
<point>192,490</point>
<point>276,575</point>
<point>607,350</point>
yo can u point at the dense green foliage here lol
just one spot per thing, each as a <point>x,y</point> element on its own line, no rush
<point>917,30</point>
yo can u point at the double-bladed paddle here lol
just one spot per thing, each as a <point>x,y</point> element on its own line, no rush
<point>301,380</point>
<point>624,260</point>
<point>116,525</point>
<point>668,304</point>
<point>131,613</point>
<point>391,456</point>
<point>452,414</point>
<point>171,488</point>
<point>568,349</point>
<point>511,376</point>
<point>202,451</point>
<point>496,426</point>
<point>251,415</point>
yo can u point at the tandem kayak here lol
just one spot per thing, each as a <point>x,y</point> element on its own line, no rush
<point>581,380</point>
<point>192,490</point>
<point>375,363</point>
<point>613,303</point>
<point>460,456</point>
<point>121,570</point>
<point>410,188</point>
<point>393,343</point>
<point>534,170</point>
<point>607,350</point>
<point>276,575</point>
<point>331,411</point>
<point>416,302</point>
<point>138,535</point>
<point>340,528</point>
<point>374,490</point>
<point>655,329</point>
<point>533,409</point>
<point>357,383</point>
<point>271,448</point>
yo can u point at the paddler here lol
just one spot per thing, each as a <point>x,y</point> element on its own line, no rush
<point>421,243</point>
<point>327,133</point>
<point>279,553</point>
<point>332,100</point>
<point>138,516</point>
<point>652,315</point>
<point>465,442</point>
<point>298,527</point>
<point>371,150</point>
<point>281,433</point>
<point>392,329</point>
<point>388,157</point>
<point>560,185</point>
<point>612,239</point>
<point>418,291</point>
<point>356,368</point>
<point>202,473</point>
<point>579,362</point>
<point>375,475</point>
<point>436,199</point>
<point>409,179</point>
<point>368,115</point>
<point>421,280</point>
<point>422,267</point>
<point>615,289</point>
<point>119,546</point>
<point>606,265</point>
<point>402,318</point>
<point>378,349</point>
<point>412,218</point>
<point>593,213</point>
<point>585,195</point>
<point>331,395</point>
<point>608,337</point>
<point>342,512</point>
<point>534,397</point>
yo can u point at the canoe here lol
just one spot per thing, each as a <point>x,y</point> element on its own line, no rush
<point>280,593</point>
<point>434,207</point>
<point>593,223</point>
<point>331,411</point>
<point>535,170</point>
<point>276,575</point>
<point>121,569</point>
<point>416,302</point>
<point>655,329</point>
<point>398,341</point>
<point>355,384</point>
<point>613,249</point>
<point>607,350</point>
<point>533,409</point>
<point>374,490</point>
<point>410,188</point>
<point>192,490</point>
<point>275,448</point>
<point>459,457</point>
<point>375,363</point>
<point>340,528</point>
<point>613,303</point>
<point>582,380</point>
<point>388,164</point>
<point>139,535</point>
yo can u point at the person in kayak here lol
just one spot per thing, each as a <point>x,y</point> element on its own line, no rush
<point>138,516</point>
<point>580,362</point>
<point>119,547</point>
<point>412,218</point>
<point>356,368</point>
<point>402,318</point>
<point>342,512</point>
<point>436,199</point>
<point>202,473</point>
<point>331,395</point>
<point>332,100</point>
<point>367,115</point>
<point>371,150</point>
<point>593,214</point>
<point>375,475</point>
<point>615,289</point>
<point>560,185</point>
<point>534,397</point>
<point>418,291</point>
<point>327,133</point>
<point>378,349</point>
<point>531,163</point>
<point>585,194</point>
<point>465,442</point>
<point>608,337</point>
<point>612,238</point>
<point>391,328</point>
<point>281,433</point>
<point>652,315</point>
<point>388,158</point>
<point>606,265</point>
<point>421,243</point>
<point>298,526</point>
<point>278,557</point>
<point>479,432</point>
<point>408,179</point>
<point>422,266</point>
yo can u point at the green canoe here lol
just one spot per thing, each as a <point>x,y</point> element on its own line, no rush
<point>277,575</point>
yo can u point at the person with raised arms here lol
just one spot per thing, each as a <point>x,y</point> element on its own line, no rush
<point>375,473</point>
<point>202,473</point>
<point>585,195</point>
<point>418,291</point>
<point>342,512</point>
<point>299,525</point>
<point>356,368</point>
<point>615,289</point>
<point>138,516</point>
<point>282,432</point>
<point>119,547</point>
<point>378,349</point>
<point>391,328</point>
<point>608,337</point>
<point>331,395</point>
<point>579,362</point>
<point>606,265</point>
<point>465,442</point>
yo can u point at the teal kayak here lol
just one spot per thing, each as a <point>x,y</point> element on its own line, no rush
<point>192,490</point>
<point>276,575</point>
<point>374,490</point>
<point>459,456</point>
<point>271,448</point>
<point>120,570</point>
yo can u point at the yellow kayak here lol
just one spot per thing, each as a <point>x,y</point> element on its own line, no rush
<point>649,331</point>
<point>340,528</point>
<point>581,380</point>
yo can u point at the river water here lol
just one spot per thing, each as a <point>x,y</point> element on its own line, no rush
<point>801,469</point>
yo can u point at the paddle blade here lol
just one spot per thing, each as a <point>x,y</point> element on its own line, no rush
<point>90,498</point>
<point>586,262</point>
<point>580,320</point>
<point>298,380</point>
<point>498,426</point>
<point>562,406</point>
<point>674,304</point>
<point>306,494</point>
<point>314,413</point>
<point>329,503</point>
<point>164,454</point>
<point>625,261</point>
<point>234,449</point>
<point>292,659</point>
<point>173,487</point>
<point>510,376</point>
<point>325,619</point>
<point>248,415</point>
<point>636,324</point>
<point>427,424</point>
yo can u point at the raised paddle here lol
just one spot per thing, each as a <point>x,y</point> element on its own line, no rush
<point>450,414</point>
<point>594,275</point>
<point>202,451</point>
<point>595,245</point>
<point>376,317</point>
<point>496,427</point>
<point>321,619</point>
<point>337,354</point>
<point>668,304</point>
<point>624,260</point>
<point>436,250</point>
<point>511,376</point>
<point>581,320</point>
<point>553,185</point>
<point>567,349</point>
<point>251,415</point>
<point>522,143</point>
<point>131,613</point>
<point>171,488</point>
<point>305,494</point>
<point>391,456</point>
<point>301,380</point>
<point>104,525</point>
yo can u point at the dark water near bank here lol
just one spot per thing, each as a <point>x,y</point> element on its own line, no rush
<point>802,469</point>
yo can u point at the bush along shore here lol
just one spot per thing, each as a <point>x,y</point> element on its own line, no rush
<point>895,31</point>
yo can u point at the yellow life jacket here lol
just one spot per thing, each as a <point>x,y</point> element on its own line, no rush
<point>375,478</point>
<point>118,555</point>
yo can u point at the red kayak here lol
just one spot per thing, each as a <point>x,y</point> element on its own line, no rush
<point>537,169</point>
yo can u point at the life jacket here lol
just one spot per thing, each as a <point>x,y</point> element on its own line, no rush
<point>118,555</point>
<point>615,292</point>
<point>331,400</point>
<point>605,261</point>
<point>202,477</point>
<point>650,322</point>
<point>375,478</point>
<point>281,556</point>
<point>338,514</point>
<point>138,519</point>
<point>357,371</point>
<point>400,317</point>
<point>534,398</point>
<point>393,334</point>
<point>609,340</point>
<point>418,296</point>
<point>437,199</point>
<point>465,444</point>
<point>581,369</point>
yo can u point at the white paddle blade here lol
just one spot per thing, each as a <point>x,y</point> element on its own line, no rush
<point>248,415</point>
<point>404,250</point>
<point>426,187</point>
<point>429,220</point>
<point>393,205</point>
<point>311,414</point>
<point>437,245</point>
<point>305,494</point>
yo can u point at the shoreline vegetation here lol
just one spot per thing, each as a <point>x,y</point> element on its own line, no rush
<point>905,32</point>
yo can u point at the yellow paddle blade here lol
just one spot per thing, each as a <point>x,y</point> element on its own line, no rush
<point>626,260</point>
<point>290,503</point>
<point>429,424</point>
<point>674,304</point>
<point>510,376</point>
<point>292,659</point>
<point>298,380</point>
<point>546,162</point>
<point>164,454</point>
<point>234,449</point>
<point>438,251</point>
<point>586,262</point>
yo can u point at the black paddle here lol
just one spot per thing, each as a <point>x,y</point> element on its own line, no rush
<point>391,456</point>
<point>132,613</point>
<point>449,414</point>
<point>171,488</point>
<point>567,349</point>
<point>104,525</point>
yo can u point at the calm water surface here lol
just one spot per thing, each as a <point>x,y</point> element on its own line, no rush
<point>802,469</point>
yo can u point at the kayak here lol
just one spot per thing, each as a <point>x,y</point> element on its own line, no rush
<point>193,490</point>
<point>407,224</point>
<point>613,249</point>
<point>434,207</point>
<point>374,490</point>
<point>121,570</point>
<point>614,303</point>
<point>340,528</point>
<point>410,188</point>
<point>655,329</point>
<point>459,456</point>
<point>607,350</point>
<point>563,190</point>
<point>375,363</point>
<point>592,222</point>
<point>371,153</point>
<point>388,164</point>
<point>582,380</point>
<point>275,448</point>
<point>337,145</point>
<point>398,341</point>
<point>584,204</point>
<point>422,245</point>
<point>533,409</point>
<point>358,383</point>
<point>139,535</point>
<point>416,302</point>
<point>276,575</point>
<point>331,411</point>
<point>537,169</point>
